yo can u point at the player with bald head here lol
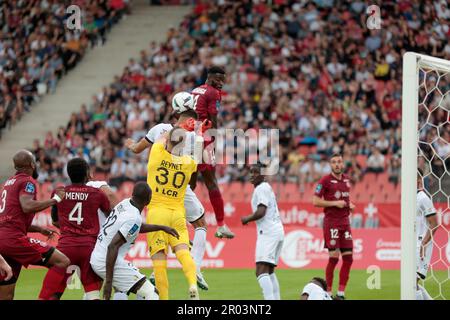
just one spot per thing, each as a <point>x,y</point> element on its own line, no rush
<point>18,205</point>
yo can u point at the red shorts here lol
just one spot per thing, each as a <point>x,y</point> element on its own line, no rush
<point>23,251</point>
<point>337,237</point>
<point>79,263</point>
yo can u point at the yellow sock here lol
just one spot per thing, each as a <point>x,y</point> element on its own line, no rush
<point>162,282</point>
<point>188,264</point>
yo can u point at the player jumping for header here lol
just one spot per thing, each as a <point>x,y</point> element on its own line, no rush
<point>333,194</point>
<point>195,213</point>
<point>207,102</point>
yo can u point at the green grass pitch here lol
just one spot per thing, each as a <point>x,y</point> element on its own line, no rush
<point>241,284</point>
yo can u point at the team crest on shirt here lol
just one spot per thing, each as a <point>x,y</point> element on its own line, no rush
<point>30,187</point>
<point>338,194</point>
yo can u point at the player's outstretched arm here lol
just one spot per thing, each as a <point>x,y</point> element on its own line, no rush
<point>29,205</point>
<point>137,147</point>
<point>146,228</point>
<point>44,231</point>
<point>112,197</point>
<point>111,257</point>
<point>259,213</point>
<point>54,215</point>
<point>321,203</point>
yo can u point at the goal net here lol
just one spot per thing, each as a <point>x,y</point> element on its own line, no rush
<point>425,157</point>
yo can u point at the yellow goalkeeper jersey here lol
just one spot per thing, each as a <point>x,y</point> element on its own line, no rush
<point>168,176</point>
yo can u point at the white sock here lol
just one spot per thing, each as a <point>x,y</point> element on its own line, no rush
<point>276,286</point>
<point>419,295</point>
<point>120,296</point>
<point>425,294</point>
<point>266,285</point>
<point>199,247</point>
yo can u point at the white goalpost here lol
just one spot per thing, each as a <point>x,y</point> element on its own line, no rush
<point>424,79</point>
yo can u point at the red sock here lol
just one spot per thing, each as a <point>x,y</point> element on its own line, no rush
<point>329,272</point>
<point>217,202</point>
<point>344,274</point>
<point>54,284</point>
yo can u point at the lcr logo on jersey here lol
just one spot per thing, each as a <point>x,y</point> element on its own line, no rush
<point>337,195</point>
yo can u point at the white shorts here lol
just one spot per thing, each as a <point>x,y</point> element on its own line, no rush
<point>194,208</point>
<point>424,264</point>
<point>268,248</point>
<point>125,274</point>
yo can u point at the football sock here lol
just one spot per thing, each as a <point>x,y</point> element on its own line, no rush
<point>217,203</point>
<point>120,296</point>
<point>329,272</point>
<point>344,274</point>
<point>147,292</point>
<point>419,295</point>
<point>266,285</point>
<point>276,286</point>
<point>425,293</point>
<point>54,284</point>
<point>199,246</point>
<point>92,295</point>
<point>161,280</point>
<point>188,264</point>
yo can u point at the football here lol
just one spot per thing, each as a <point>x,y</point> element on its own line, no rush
<point>183,101</point>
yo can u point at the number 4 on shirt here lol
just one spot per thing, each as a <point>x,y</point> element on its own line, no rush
<point>77,210</point>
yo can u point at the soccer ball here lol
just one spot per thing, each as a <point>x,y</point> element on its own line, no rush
<point>183,101</point>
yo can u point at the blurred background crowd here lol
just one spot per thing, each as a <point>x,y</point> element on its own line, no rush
<point>37,48</point>
<point>311,69</point>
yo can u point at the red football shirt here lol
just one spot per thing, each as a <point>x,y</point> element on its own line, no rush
<point>207,101</point>
<point>78,215</point>
<point>331,189</point>
<point>13,221</point>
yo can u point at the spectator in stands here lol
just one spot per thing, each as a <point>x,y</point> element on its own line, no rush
<point>375,162</point>
<point>394,170</point>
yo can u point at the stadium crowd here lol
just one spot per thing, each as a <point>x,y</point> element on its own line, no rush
<point>37,48</point>
<point>312,69</point>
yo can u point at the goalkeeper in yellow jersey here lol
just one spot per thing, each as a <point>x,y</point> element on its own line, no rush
<point>169,173</point>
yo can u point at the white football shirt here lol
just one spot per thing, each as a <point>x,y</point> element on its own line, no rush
<point>271,222</point>
<point>126,219</point>
<point>425,208</point>
<point>315,292</point>
<point>157,131</point>
<point>98,184</point>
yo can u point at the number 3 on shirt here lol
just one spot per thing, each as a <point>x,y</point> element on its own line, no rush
<point>78,210</point>
<point>3,205</point>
